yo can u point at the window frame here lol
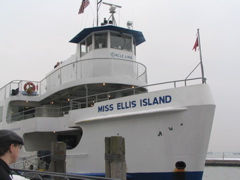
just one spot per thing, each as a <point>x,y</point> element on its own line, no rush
<point>120,41</point>
<point>97,42</point>
<point>1,113</point>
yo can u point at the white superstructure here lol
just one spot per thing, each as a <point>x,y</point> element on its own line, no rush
<point>102,91</point>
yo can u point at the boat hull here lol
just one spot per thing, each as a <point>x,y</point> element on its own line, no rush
<point>156,137</point>
<point>166,176</point>
<point>159,176</point>
<point>166,133</point>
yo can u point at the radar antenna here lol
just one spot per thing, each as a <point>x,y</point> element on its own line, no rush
<point>112,11</point>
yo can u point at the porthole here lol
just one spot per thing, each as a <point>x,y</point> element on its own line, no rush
<point>180,165</point>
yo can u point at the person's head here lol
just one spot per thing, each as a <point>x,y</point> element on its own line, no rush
<point>10,144</point>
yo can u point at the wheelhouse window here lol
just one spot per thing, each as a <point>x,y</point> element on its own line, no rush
<point>134,45</point>
<point>100,40</point>
<point>1,113</point>
<point>83,49</point>
<point>120,41</point>
<point>21,113</point>
<point>86,46</point>
<point>89,43</point>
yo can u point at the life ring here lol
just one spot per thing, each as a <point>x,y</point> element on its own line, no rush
<point>29,87</point>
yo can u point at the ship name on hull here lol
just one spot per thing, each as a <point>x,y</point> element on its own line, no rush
<point>134,103</point>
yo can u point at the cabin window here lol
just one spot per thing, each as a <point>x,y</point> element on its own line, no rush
<point>120,41</point>
<point>134,45</point>
<point>83,49</point>
<point>100,40</point>
<point>1,113</point>
<point>89,43</point>
<point>21,112</point>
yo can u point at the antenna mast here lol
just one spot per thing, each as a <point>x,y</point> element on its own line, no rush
<point>112,11</point>
<point>98,7</point>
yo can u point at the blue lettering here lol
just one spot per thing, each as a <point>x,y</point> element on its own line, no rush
<point>134,104</point>
<point>161,100</point>
<point>118,106</point>
<point>127,105</point>
<point>168,99</point>
<point>111,107</point>
<point>122,106</point>
<point>105,108</point>
<point>100,108</point>
<point>149,103</point>
<point>145,102</point>
<point>155,101</point>
<point>128,57</point>
<point>119,55</point>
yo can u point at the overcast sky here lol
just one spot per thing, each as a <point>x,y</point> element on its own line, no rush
<point>35,35</point>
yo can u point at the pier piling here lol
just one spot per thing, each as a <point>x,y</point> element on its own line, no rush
<point>58,150</point>
<point>115,163</point>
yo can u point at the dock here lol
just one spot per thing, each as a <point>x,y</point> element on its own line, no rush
<point>230,163</point>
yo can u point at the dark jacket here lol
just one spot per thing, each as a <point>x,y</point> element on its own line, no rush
<point>5,171</point>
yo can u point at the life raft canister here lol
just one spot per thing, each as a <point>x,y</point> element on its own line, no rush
<point>29,87</point>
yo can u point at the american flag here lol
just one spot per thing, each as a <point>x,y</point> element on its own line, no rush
<point>84,4</point>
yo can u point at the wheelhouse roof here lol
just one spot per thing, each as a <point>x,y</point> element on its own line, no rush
<point>138,36</point>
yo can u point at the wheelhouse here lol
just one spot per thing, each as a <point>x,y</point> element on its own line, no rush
<point>108,37</point>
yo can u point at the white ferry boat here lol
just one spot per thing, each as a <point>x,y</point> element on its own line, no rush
<point>102,91</point>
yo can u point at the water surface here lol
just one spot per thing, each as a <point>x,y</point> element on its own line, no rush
<point>221,173</point>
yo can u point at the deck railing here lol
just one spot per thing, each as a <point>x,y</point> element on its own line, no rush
<point>43,175</point>
<point>39,112</point>
<point>78,70</point>
<point>89,101</point>
<point>33,162</point>
<point>33,167</point>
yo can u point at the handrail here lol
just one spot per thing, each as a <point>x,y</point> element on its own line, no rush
<point>40,174</point>
<point>6,91</point>
<point>35,161</point>
<point>115,59</point>
<point>90,100</point>
<point>26,114</point>
<point>76,100</point>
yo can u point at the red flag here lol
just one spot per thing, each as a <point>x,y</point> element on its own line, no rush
<point>195,45</point>
<point>84,4</point>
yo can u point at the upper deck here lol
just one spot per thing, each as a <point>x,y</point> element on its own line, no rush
<point>105,61</point>
<point>104,55</point>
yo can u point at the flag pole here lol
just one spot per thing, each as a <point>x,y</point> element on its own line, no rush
<point>98,6</point>
<point>200,53</point>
